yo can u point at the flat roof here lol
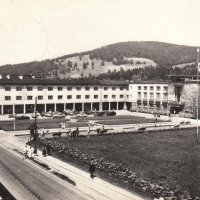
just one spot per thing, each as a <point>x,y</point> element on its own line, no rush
<point>30,80</point>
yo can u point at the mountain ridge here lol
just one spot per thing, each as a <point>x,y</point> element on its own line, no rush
<point>161,53</point>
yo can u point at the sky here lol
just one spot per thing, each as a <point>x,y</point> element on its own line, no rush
<point>33,30</point>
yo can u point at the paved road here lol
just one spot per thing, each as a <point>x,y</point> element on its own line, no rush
<point>50,187</point>
<point>41,183</point>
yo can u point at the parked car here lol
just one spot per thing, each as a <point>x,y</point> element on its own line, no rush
<point>68,112</point>
<point>47,114</point>
<point>99,114</point>
<point>35,114</point>
<point>82,114</point>
<point>112,113</point>
<point>22,117</point>
<point>12,115</point>
<point>58,115</point>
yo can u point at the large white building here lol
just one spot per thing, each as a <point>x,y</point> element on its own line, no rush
<point>18,94</point>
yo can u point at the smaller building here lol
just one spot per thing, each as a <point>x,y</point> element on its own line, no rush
<point>149,96</point>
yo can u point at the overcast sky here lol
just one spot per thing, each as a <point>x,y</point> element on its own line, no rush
<point>40,29</point>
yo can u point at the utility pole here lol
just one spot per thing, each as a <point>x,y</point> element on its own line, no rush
<point>35,132</point>
<point>14,116</point>
<point>198,67</point>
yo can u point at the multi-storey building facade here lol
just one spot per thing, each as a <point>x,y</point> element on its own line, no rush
<point>18,94</point>
<point>148,96</point>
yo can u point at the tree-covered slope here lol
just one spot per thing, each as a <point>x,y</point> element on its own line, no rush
<point>164,54</point>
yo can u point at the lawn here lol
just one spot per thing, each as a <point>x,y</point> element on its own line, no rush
<point>168,158</point>
<point>24,124</point>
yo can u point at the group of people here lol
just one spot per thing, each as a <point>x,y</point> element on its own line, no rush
<point>117,171</point>
<point>46,149</point>
<point>30,152</point>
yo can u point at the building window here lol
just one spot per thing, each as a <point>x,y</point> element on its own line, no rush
<point>78,96</point>
<point>121,96</point>
<point>78,88</point>
<point>105,88</point>
<point>60,96</point>
<point>145,94</point>
<point>69,88</point>
<point>29,97</point>
<point>151,87</point>
<point>19,88</point>
<point>158,88</point>
<point>7,88</point>
<point>113,88</point>
<point>165,88</point>
<point>40,97</point>
<point>18,98</point>
<point>96,88</point>
<point>113,96</point>
<point>139,94</point>
<point>60,88</point>
<point>69,96</point>
<point>151,95</point>
<point>50,97</point>
<point>145,87</point>
<point>87,88</point>
<point>139,87</point>
<point>95,96</point>
<point>40,88</point>
<point>7,98</point>
<point>29,88</point>
<point>121,88</point>
<point>87,96</point>
<point>50,88</point>
<point>157,94</point>
<point>105,96</point>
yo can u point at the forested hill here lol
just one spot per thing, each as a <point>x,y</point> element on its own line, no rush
<point>164,54</point>
<point>117,57</point>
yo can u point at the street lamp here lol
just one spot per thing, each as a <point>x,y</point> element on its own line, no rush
<point>198,68</point>
<point>35,131</point>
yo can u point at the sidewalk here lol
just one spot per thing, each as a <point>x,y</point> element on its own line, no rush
<point>96,188</point>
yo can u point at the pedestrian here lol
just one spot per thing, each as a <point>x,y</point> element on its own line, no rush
<point>44,152</point>
<point>88,133</point>
<point>30,153</point>
<point>35,151</point>
<point>25,152</point>
<point>92,168</point>
<point>77,132</point>
<point>48,149</point>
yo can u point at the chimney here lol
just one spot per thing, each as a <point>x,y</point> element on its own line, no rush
<point>21,77</point>
<point>8,76</point>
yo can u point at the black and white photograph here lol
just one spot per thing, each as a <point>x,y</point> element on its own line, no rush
<point>99,100</point>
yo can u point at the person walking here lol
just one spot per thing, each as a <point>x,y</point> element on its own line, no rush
<point>88,132</point>
<point>48,149</point>
<point>92,168</point>
<point>44,152</point>
<point>35,151</point>
<point>77,132</point>
<point>25,152</point>
<point>30,153</point>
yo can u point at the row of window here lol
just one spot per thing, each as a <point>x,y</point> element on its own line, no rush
<point>151,94</point>
<point>152,88</point>
<point>50,88</point>
<point>50,97</point>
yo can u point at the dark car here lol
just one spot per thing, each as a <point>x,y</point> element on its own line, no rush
<point>112,113</point>
<point>99,114</point>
